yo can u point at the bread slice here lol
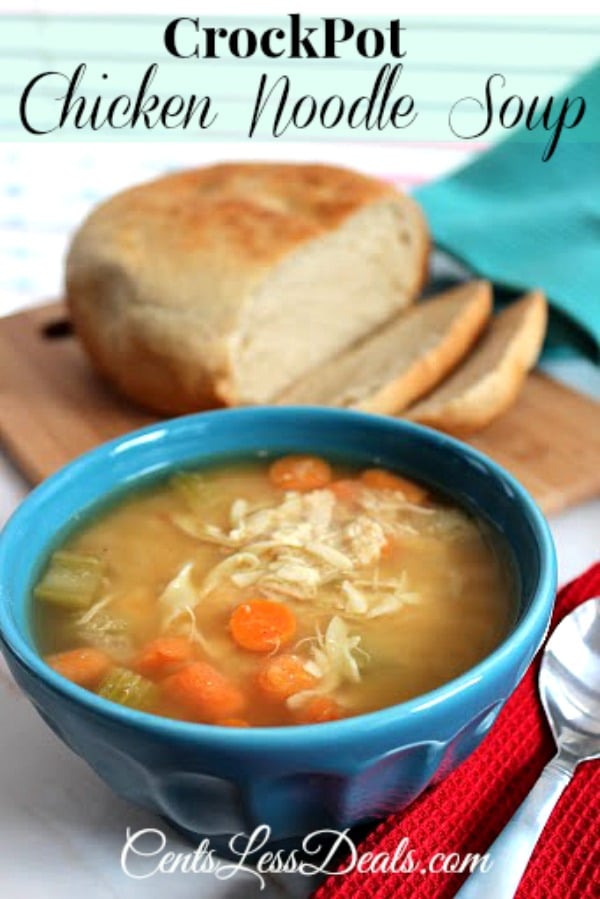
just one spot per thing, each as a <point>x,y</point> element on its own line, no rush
<point>488,382</point>
<point>402,360</point>
<point>225,284</point>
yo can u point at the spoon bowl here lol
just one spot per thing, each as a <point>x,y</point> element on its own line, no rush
<point>569,683</point>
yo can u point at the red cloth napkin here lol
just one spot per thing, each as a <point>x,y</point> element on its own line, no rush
<point>469,808</point>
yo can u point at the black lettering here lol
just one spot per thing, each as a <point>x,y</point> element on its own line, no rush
<point>377,40</point>
<point>309,102</point>
<point>489,107</point>
<point>145,105</point>
<point>71,102</point>
<point>398,113</point>
<point>211,35</point>
<point>530,124</point>
<point>394,29</point>
<point>376,102</point>
<point>169,37</point>
<point>168,112</point>
<point>561,122</point>
<point>337,114</point>
<point>517,102</point>
<point>113,111</point>
<point>121,111</point>
<point>23,111</point>
<point>331,38</point>
<point>265,42</point>
<point>205,120</point>
<point>375,110</point>
<point>251,43</point>
<point>299,43</point>
<point>261,101</point>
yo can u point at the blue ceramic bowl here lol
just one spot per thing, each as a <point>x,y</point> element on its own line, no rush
<point>215,781</point>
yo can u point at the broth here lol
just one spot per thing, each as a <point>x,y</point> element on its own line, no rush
<point>279,593</point>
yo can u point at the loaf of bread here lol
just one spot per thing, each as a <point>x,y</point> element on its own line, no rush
<point>405,358</point>
<point>226,284</point>
<point>490,378</point>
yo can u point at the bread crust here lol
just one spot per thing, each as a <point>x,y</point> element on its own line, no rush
<point>157,275</point>
<point>357,370</point>
<point>426,372</point>
<point>490,395</point>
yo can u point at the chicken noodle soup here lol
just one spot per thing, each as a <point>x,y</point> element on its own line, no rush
<point>274,593</point>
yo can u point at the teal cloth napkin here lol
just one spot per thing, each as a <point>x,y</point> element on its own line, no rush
<point>525,223</point>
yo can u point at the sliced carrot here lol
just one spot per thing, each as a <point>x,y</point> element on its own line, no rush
<point>318,710</point>
<point>387,549</point>
<point>284,675</point>
<point>163,656</point>
<point>300,473</point>
<point>85,666</point>
<point>203,691</point>
<point>233,722</point>
<point>380,479</point>
<point>262,625</point>
<point>346,490</point>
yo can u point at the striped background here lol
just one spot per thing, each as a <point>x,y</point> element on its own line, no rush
<point>46,186</point>
<point>447,59</point>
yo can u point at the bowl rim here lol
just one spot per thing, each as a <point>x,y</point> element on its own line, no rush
<point>293,737</point>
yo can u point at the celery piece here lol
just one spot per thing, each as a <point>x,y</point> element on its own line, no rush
<point>71,581</point>
<point>194,490</point>
<point>104,632</point>
<point>129,689</point>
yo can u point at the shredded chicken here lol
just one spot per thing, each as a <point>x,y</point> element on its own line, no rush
<point>366,539</point>
<point>333,661</point>
<point>356,601</point>
<point>97,627</point>
<point>200,530</point>
<point>177,603</point>
<point>308,546</point>
<point>393,594</point>
<point>241,563</point>
<point>239,508</point>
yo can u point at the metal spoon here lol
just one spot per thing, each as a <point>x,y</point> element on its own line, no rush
<point>569,684</point>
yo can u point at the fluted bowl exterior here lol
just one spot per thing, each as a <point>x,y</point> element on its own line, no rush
<point>217,782</point>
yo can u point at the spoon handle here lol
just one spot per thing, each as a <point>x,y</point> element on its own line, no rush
<point>509,854</point>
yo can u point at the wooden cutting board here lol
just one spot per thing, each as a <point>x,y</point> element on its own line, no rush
<point>53,407</point>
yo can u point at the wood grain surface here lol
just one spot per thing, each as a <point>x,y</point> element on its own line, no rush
<point>53,407</point>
